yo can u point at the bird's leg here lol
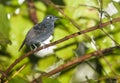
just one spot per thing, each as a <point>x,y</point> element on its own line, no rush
<point>42,44</point>
<point>33,47</point>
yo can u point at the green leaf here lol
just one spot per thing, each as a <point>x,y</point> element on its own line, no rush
<point>49,80</point>
<point>17,80</point>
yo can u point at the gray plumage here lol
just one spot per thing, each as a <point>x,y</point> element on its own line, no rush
<point>40,32</point>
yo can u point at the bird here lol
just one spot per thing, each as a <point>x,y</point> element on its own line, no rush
<point>40,32</point>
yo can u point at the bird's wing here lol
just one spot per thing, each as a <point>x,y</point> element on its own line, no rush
<point>22,45</point>
<point>32,33</point>
<point>27,39</point>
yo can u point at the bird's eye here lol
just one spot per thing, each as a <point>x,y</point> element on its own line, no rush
<point>49,17</point>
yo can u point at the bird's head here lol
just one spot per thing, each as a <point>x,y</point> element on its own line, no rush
<point>50,18</point>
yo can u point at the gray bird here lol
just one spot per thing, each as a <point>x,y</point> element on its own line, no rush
<point>40,32</point>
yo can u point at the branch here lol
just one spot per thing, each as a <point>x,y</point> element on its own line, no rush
<point>102,25</point>
<point>75,61</point>
<point>32,11</point>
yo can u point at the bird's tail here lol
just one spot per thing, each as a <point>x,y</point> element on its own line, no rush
<point>21,45</point>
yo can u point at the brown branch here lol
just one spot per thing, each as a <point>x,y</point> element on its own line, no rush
<point>59,41</point>
<point>76,61</point>
<point>32,11</point>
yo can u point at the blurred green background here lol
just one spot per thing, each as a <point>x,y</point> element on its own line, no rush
<point>15,23</point>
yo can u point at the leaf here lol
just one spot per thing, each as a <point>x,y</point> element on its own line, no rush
<point>17,80</point>
<point>49,80</point>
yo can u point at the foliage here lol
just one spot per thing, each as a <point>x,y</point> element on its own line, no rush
<point>15,22</point>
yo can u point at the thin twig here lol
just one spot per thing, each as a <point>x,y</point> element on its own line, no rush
<point>16,73</point>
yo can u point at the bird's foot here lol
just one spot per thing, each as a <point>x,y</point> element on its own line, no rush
<point>33,47</point>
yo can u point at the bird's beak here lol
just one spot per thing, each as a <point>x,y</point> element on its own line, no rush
<point>56,18</point>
